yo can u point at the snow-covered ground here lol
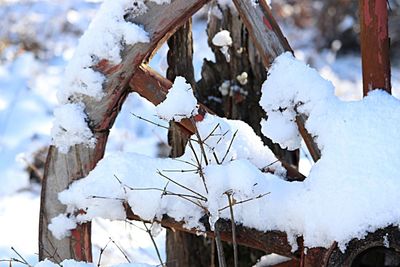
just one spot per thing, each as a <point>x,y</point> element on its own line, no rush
<point>28,84</point>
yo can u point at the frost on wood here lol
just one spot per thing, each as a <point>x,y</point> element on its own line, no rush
<point>70,127</point>
<point>180,102</point>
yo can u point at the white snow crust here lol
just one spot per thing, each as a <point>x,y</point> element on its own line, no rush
<point>104,39</point>
<point>62,225</point>
<point>180,102</point>
<point>70,127</point>
<point>271,260</point>
<point>223,40</point>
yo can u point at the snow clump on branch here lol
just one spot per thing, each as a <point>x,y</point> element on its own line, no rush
<point>180,102</point>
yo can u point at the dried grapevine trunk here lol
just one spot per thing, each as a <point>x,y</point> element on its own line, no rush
<point>61,169</point>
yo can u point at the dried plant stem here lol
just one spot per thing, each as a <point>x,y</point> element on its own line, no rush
<point>218,243</point>
<point>22,258</point>
<point>230,145</point>
<point>154,244</point>
<point>101,253</point>
<point>201,142</point>
<point>200,168</point>
<point>244,201</point>
<point>149,121</point>
<point>181,185</point>
<point>234,243</point>
<point>121,250</point>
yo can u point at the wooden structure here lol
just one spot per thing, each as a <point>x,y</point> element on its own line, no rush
<point>133,75</point>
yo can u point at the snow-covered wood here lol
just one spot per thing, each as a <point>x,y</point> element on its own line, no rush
<point>270,42</point>
<point>160,21</point>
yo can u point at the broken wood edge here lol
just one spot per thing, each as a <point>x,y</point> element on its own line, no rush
<point>270,43</point>
<point>154,87</point>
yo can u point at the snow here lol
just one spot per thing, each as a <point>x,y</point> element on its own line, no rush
<point>70,127</point>
<point>271,260</point>
<point>229,146</point>
<point>317,209</point>
<point>28,80</point>
<point>180,102</point>
<point>61,225</point>
<point>223,39</point>
<point>115,32</point>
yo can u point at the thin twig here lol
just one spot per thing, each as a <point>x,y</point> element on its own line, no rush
<point>230,145</point>
<point>220,249</point>
<point>184,161</point>
<point>199,166</point>
<point>108,198</point>
<point>196,170</point>
<point>235,249</point>
<point>178,184</point>
<point>154,243</point>
<point>120,249</point>
<point>244,201</point>
<point>101,253</point>
<point>211,133</point>
<point>203,151</point>
<point>149,121</point>
<point>19,255</point>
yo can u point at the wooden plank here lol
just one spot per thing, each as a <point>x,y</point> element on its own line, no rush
<point>160,22</point>
<point>374,45</point>
<point>270,242</point>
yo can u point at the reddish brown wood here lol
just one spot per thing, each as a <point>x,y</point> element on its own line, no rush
<point>270,242</point>
<point>375,45</point>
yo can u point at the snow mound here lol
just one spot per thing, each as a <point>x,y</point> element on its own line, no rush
<point>180,102</point>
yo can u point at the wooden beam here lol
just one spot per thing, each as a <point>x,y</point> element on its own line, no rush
<point>374,45</point>
<point>270,242</point>
<point>270,42</point>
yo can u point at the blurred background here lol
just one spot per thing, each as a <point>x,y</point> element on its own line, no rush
<point>38,37</point>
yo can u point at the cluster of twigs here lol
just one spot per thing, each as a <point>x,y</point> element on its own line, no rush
<point>197,198</point>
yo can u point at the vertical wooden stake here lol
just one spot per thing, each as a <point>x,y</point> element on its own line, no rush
<point>374,45</point>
